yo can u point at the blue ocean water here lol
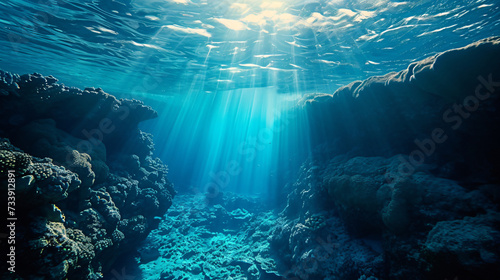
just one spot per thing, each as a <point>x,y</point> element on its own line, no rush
<point>226,77</point>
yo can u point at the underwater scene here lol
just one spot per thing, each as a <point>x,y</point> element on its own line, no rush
<point>250,139</point>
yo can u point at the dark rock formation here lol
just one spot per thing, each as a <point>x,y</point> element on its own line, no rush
<point>87,187</point>
<point>405,175</point>
<point>434,108</point>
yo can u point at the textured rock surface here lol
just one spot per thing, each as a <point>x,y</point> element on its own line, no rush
<point>87,188</point>
<point>418,227</point>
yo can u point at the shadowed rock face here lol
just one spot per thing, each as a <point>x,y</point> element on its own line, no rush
<point>87,187</point>
<point>409,162</point>
<point>451,97</point>
<point>89,114</point>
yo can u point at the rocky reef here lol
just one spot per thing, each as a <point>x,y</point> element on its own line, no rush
<point>84,183</point>
<point>404,181</point>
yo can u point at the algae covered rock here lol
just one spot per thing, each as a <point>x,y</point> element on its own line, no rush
<point>39,181</point>
<point>57,252</point>
<point>12,160</point>
<point>430,110</point>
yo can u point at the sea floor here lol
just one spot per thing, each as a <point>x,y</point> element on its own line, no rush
<point>197,240</point>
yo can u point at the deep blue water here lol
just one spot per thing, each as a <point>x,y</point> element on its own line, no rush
<point>225,75</point>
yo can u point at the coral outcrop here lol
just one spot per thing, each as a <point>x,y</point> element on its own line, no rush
<point>87,187</point>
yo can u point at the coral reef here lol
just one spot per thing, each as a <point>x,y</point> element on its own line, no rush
<point>87,186</point>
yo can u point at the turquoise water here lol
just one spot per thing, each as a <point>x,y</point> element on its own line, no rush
<point>228,80</point>
<point>224,74</point>
<point>174,46</point>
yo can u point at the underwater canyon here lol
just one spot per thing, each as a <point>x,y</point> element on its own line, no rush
<point>250,140</point>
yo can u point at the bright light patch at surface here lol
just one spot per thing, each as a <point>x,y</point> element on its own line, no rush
<point>145,45</point>
<point>346,12</point>
<point>104,29</point>
<point>152,18</point>
<point>272,5</point>
<point>185,2</point>
<point>232,24</point>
